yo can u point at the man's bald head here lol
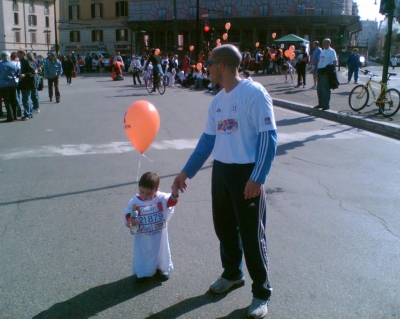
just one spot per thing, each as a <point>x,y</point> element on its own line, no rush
<point>227,54</point>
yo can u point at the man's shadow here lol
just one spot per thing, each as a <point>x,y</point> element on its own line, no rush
<point>97,299</point>
<point>193,303</point>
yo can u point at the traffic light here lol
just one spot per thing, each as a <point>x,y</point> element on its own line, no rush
<point>207,32</point>
<point>340,34</point>
<point>386,6</point>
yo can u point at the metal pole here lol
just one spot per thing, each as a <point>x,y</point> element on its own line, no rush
<point>388,42</point>
<point>55,28</point>
<point>197,47</point>
<point>175,30</point>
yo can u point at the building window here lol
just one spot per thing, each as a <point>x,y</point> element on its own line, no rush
<point>73,13</point>
<point>121,34</point>
<point>47,21</point>
<point>16,18</point>
<point>162,14</point>
<point>17,37</point>
<point>97,10</point>
<point>264,10</point>
<point>74,36</point>
<point>31,6</point>
<point>33,37</point>
<point>121,8</point>
<point>301,9</point>
<point>32,20</point>
<point>192,13</point>
<point>15,5</point>
<point>46,7</point>
<point>97,35</point>
<point>227,12</point>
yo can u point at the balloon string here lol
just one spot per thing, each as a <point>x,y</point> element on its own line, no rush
<point>140,161</point>
<point>147,158</point>
<point>137,177</point>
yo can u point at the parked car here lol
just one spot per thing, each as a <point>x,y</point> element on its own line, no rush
<point>95,59</point>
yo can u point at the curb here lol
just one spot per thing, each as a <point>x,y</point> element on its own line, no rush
<point>386,129</point>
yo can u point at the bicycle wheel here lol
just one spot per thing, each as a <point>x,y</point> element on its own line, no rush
<point>149,84</point>
<point>358,98</point>
<point>390,104</point>
<point>161,85</point>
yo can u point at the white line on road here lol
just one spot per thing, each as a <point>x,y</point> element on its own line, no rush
<point>179,144</point>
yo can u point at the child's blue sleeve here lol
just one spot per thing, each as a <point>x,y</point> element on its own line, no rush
<point>200,154</point>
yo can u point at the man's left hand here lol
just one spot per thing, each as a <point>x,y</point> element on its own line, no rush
<point>252,189</point>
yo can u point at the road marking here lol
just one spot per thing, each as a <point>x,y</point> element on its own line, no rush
<point>178,144</point>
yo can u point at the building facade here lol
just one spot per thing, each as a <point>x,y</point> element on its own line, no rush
<point>173,26</point>
<point>28,25</point>
<point>95,25</point>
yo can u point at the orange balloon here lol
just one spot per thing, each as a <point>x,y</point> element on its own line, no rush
<point>287,53</point>
<point>227,26</point>
<point>291,48</point>
<point>191,48</point>
<point>273,56</point>
<point>199,66</point>
<point>141,123</point>
<point>157,52</point>
<point>273,35</point>
<point>218,41</point>
<point>292,55</point>
<point>257,44</point>
<point>225,36</point>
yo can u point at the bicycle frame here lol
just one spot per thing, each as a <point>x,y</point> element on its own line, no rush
<point>376,99</point>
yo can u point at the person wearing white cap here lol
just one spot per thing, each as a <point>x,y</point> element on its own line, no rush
<point>135,68</point>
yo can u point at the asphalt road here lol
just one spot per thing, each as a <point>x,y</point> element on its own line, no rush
<point>67,174</point>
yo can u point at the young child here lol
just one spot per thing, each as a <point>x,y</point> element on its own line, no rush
<point>287,68</point>
<point>246,75</point>
<point>151,254</point>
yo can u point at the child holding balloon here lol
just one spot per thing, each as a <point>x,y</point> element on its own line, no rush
<point>147,215</point>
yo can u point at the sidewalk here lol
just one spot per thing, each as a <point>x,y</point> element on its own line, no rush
<point>303,100</point>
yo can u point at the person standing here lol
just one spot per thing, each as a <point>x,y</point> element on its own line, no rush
<point>171,70</point>
<point>326,66</point>
<point>135,69</point>
<point>301,65</point>
<point>68,69</point>
<point>8,85</point>
<point>266,60</point>
<point>314,63</point>
<point>156,64</point>
<point>27,83</point>
<point>241,135</point>
<point>246,57</point>
<point>52,72</point>
<point>257,61</point>
<point>393,61</point>
<point>34,92</point>
<point>353,64</point>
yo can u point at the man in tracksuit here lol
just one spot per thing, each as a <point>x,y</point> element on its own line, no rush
<point>241,135</point>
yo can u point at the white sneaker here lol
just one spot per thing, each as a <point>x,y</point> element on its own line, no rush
<point>258,308</point>
<point>36,111</point>
<point>222,285</point>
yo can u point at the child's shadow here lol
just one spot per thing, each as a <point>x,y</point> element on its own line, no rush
<point>98,299</point>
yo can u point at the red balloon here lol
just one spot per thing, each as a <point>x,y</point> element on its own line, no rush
<point>141,123</point>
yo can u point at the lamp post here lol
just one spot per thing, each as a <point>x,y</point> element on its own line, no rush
<point>55,28</point>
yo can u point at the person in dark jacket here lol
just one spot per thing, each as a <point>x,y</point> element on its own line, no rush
<point>27,84</point>
<point>353,64</point>
<point>68,69</point>
<point>52,72</point>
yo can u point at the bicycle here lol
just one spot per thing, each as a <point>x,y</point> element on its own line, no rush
<point>160,84</point>
<point>388,100</point>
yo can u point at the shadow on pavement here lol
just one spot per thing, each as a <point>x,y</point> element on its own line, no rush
<point>97,299</point>
<point>283,148</point>
<point>237,314</point>
<point>187,305</point>
<point>298,120</point>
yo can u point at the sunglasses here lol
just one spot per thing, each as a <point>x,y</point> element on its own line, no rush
<point>211,62</point>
